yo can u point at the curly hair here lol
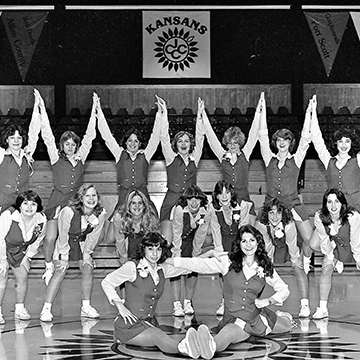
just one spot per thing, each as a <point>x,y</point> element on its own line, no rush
<point>235,134</point>
<point>153,239</point>
<point>10,131</point>
<point>137,133</point>
<point>68,135</point>
<point>180,134</point>
<point>236,255</point>
<point>346,133</point>
<point>218,189</point>
<point>193,191</point>
<point>124,221</point>
<point>286,218</point>
<point>344,211</point>
<point>29,195</point>
<point>285,134</point>
<point>77,204</point>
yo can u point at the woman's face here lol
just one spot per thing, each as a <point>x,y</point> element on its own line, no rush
<point>233,146</point>
<point>274,216</point>
<point>333,205</point>
<point>69,147</point>
<point>136,206</point>
<point>224,198</point>
<point>183,145</point>
<point>193,205</point>
<point>248,244</point>
<point>28,208</point>
<point>15,142</point>
<point>344,145</point>
<point>153,254</point>
<point>132,144</point>
<point>282,145</point>
<point>90,199</point>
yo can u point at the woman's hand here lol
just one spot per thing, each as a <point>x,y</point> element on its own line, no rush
<point>87,259</point>
<point>201,108</point>
<point>262,303</point>
<point>49,271</point>
<point>161,104</point>
<point>125,313</point>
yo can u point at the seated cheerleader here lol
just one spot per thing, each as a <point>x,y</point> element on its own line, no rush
<point>247,269</point>
<point>281,243</point>
<point>144,278</point>
<point>338,227</point>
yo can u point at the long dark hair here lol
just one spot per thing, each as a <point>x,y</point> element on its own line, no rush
<point>236,255</point>
<point>29,195</point>
<point>280,206</point>
<point>218,189</point>
<point>10,131</point>
<point>137,133</point>
<point>347,133</point>
<point>193,191</point>
<point>344,211</point>
<point>153,239</point>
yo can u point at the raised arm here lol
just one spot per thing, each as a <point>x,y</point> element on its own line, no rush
<point>90,134</point>
<point>265,150</point>
<point>48,135</point>
<point>254,130</point>
<point>199,132</point>
<point>106,134</point>
<point>316,136</point>
<point>168,152</point>
<point>35,125</point>
<point>155,134</point>
<point>305,139</point>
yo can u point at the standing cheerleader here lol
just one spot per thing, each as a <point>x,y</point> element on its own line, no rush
<point>235,157</point>
<point>182,157</point>
<point>80,226</point>
<point>16,157</point>
<point>282,172</point>
<point>190,226</point>
<point>281,244</point>
<point>226,216</point>
<point>338,227</point>
<point>22,229</point>
<point>67,164</point>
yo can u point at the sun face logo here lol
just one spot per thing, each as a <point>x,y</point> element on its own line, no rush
<point>176,49</point>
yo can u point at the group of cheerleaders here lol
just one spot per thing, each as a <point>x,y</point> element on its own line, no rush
<point>153,247</point>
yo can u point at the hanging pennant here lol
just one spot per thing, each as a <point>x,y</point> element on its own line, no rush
<point>327,29</point>
<point>176,44</point>
<point>23,30</point>
<point>356,20</point>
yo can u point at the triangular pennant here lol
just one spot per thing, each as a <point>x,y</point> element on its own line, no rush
<point>23,30</point>
<point>327,29</point>
<point>356,20</point>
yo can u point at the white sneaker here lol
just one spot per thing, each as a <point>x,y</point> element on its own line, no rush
<point>220,309</point>
<point>304,311</point>
<point>206,342</point>
<point>190,344</point>
<point>178,309</point>
<point>22,314</point>
<point>89,312</point>
<point>188,309</point>
<point>46,315</point>
<point>320,313</point>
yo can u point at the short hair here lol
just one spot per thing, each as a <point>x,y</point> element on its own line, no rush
<point>286,218</point>
<point>285,134</point>
<point>218,189</point>
<point>344,211</point>
<point>153,239</point>
<point>234,133</point>
<point>347,133</point>
<point>10,131</point>
<point>236,255</point>
<point>180,134</point>
<point>76,202</point>
<point>28,195</point>
<point>193,191</point>
<point>65,137</point>
<point>128,133</point>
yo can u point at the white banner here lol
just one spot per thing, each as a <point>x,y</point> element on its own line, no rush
<point>356,20</point>
<point>327,29</point>
<point>176,44</point>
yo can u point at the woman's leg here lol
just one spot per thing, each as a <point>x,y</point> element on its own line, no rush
<point>305,229</point>
<point>325,281</point>
<point>190,285</point>
<point>21,283</point>
<point>175,286</point>
<point>86,280</point>
<point>156,337</point>
<point>283,322</point>
<point>302,282</point>
<point>315,241</point>
<point>3,282</point>
<point>166,230</point>
<point>55,282</point>
<point>50,238</point>
<point>229,334</point>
